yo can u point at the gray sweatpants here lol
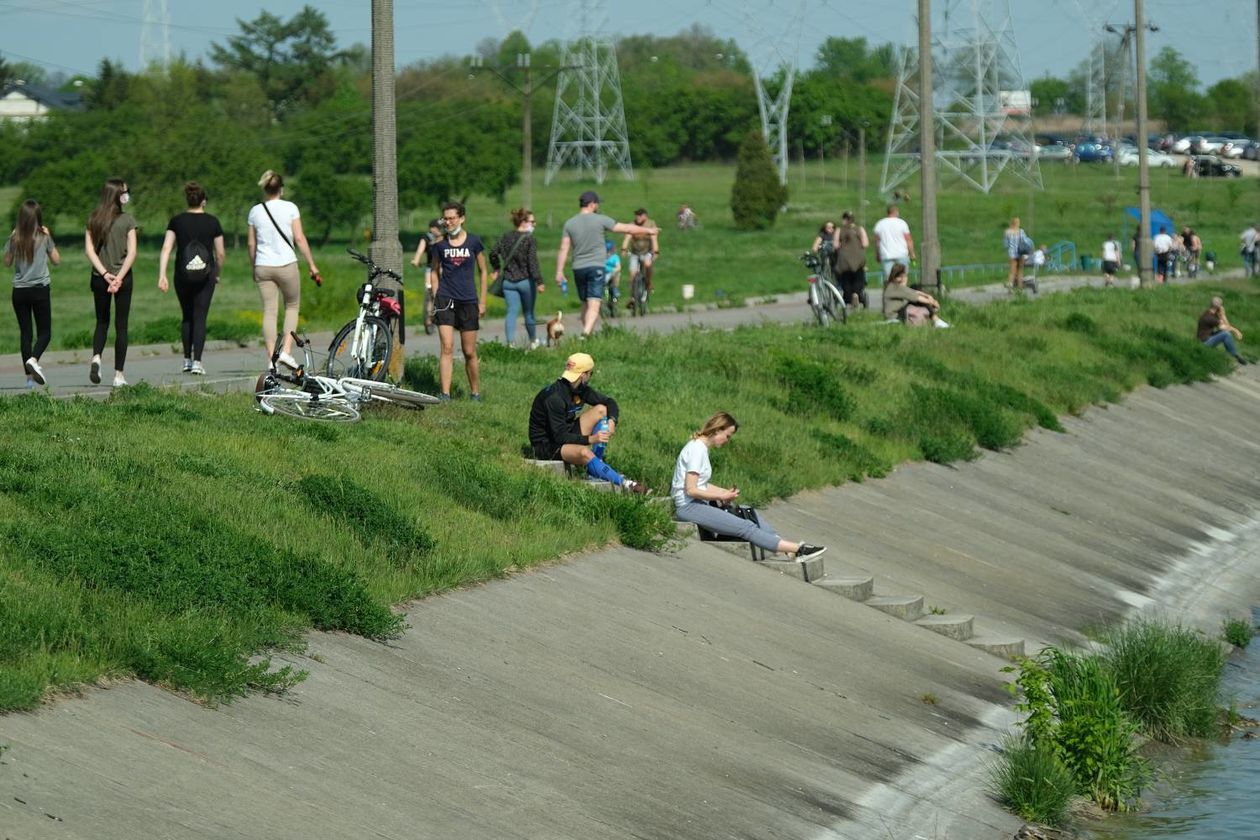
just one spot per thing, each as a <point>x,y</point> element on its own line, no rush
<point>728,524</point>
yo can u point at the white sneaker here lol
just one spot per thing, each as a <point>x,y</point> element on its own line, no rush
<point>197,369</point>
<point>940,325</point>
<point>287,360</point>
<point>34,371</point>
<point>119,381</point>
<point>534,345</point>
<point>188,365</point>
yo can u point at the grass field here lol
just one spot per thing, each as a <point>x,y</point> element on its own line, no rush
<point>176,537</point>
<point>1080,204</point>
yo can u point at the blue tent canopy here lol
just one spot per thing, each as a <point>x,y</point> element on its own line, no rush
<point>1158,219</point>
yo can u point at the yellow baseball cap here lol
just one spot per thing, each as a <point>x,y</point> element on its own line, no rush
<point>576,365</point>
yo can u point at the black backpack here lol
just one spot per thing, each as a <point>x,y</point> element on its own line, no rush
<point>194,259</point>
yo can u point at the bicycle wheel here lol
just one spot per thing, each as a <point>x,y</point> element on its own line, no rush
<point>376,345</point>
<point>307,407</point>
<point>835,305</point>
<point>817,306</point>
<point>391,393</point>
<point>612,304</point>
<point>639,294</point>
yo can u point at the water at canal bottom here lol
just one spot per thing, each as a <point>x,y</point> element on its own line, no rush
<point>1211,792</point>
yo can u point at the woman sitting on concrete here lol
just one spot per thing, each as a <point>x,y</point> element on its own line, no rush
<point>1215,328</point>
<point>694,496</point>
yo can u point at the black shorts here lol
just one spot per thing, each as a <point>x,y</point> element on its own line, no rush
<point>1109,267</point>
<point>460,314</point>
<point>545,451</point>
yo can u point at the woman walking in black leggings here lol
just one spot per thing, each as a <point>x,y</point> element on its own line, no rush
<point>31,247</point>
<point>110,245</point>
<point>197,239</point>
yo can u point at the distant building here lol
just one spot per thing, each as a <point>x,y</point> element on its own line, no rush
<point>24,102</point>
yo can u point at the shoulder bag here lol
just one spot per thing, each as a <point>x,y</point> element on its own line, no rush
<point>496,288</point>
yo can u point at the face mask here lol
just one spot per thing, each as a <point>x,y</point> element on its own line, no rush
<point>454,231</point>
<point>529,228</point>
<point>124,198</point>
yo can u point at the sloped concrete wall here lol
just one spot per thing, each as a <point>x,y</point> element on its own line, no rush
<point>693,695</point>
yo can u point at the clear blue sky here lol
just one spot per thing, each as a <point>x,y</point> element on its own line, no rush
<point>72,36</point>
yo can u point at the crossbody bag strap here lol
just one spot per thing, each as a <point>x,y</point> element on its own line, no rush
<point>512,250</point>
<point>278,230</point>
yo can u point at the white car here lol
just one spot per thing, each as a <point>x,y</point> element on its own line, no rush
<point>1229,148</point>
<point>1128,156</point>
<point>1182,145</point>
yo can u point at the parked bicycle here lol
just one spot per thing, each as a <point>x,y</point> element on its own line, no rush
<point>363,346</point>
<point>310,396</point>
<point>825,300</point>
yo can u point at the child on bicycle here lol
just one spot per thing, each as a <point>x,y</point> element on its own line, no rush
<point>612,270</point>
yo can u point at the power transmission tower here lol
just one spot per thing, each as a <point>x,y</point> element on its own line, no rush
<point>1096,90</point>
<point>588,126</point>
<point>155,34</point>
<point>980,96</point>
<point>774,55</point>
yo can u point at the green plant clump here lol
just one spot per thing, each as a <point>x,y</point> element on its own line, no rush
<point>1169,678</point>
<point>1237,631</point>
<point>1033,781</point>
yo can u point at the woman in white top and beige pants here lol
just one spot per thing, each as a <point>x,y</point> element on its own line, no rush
<point>275,229</point>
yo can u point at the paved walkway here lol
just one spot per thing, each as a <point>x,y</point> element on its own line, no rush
<point>232,367</point>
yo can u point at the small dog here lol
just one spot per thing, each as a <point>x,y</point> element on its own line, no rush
<point>555,330</point>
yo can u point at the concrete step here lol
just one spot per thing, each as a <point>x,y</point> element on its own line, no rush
<point>1006,648</point>
<point>806,570</point>
<point>952,626</point>
<point>853,588</point>
<point>907,607</point>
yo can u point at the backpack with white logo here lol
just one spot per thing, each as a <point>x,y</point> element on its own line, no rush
<point>194,259</point>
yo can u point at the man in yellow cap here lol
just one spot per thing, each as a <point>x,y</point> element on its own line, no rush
<point>559,430</point>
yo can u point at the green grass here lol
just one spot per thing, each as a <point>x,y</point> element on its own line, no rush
<point>175,536</point>
<point>1079,203</point>
<point>1032,781</point>
<point>1237,631</point>
<point>1169,678</point>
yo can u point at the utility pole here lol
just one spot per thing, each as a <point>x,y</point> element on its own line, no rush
<point>929,245</point>
<point>1144,171</point>
<point>526,90</point>
<point>386,250</point>
<point>822,155</point>
<point>862,173</point>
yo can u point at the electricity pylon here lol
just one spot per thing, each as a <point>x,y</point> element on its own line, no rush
<point>777,58</point>
<point>588,126</point>
<point>155,34</point>
<point>979,95</point>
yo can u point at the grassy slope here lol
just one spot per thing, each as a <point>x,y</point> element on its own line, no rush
<point>719,261</point>
<point>173,536</point>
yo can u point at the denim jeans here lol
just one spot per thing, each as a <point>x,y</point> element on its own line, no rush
<point>1222,337</point>
<point>887,265</point>
<point>520,296</point>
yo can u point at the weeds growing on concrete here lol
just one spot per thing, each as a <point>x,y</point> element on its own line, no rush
<point>1237,631</point>
<point>1169,678</point>
<point>1033,781</point>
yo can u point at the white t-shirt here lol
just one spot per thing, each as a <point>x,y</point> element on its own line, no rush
<point>694,458</point>
<point>890,237</point>
<point>1111,251</point>
<point>272,249</point>
<point>1163,243</point>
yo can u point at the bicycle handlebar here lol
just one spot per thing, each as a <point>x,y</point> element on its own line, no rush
<point>376,269</point>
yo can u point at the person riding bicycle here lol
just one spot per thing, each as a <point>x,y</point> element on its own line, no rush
<point>425,249</point>
<point>612,271</point>
<point>559,430</point>
<point>642,248</point>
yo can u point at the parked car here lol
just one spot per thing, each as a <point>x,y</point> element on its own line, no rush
<point>1128,156</point>
<point>1252,150</point>
<point>1207,145</point>
<point>1092,153</point>
<point>1181,146</point>
<point>1229,148</point>
<point>1211,166</point>
<point>1054,151</point>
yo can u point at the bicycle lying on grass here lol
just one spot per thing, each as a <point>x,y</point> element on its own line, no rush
<point>824,298</point>
<point>310,396</point>
<point>363,346</point>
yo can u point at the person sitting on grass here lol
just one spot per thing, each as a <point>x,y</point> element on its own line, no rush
<point>910,306</point>
<point>560,431</point>
<point>1214,329</point>
<point>705,504</point>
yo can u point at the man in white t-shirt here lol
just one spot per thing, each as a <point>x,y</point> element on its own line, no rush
<point>1249,238</point>
<point>1164,254</point>
<point>1110,259</point>
<point>893,243</point>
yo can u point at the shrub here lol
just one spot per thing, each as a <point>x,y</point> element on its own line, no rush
<point>757,194</point>
<point>1032,781</point>
<point>814,385</point>
<point>1168,676</point>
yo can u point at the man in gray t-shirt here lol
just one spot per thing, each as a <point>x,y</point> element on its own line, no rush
<point>584,236</point>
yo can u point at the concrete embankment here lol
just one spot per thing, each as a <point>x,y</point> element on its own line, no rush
<point>695,694</point>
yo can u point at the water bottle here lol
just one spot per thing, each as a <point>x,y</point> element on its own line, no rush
<point>600,448</point>
<point>564,286</point>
